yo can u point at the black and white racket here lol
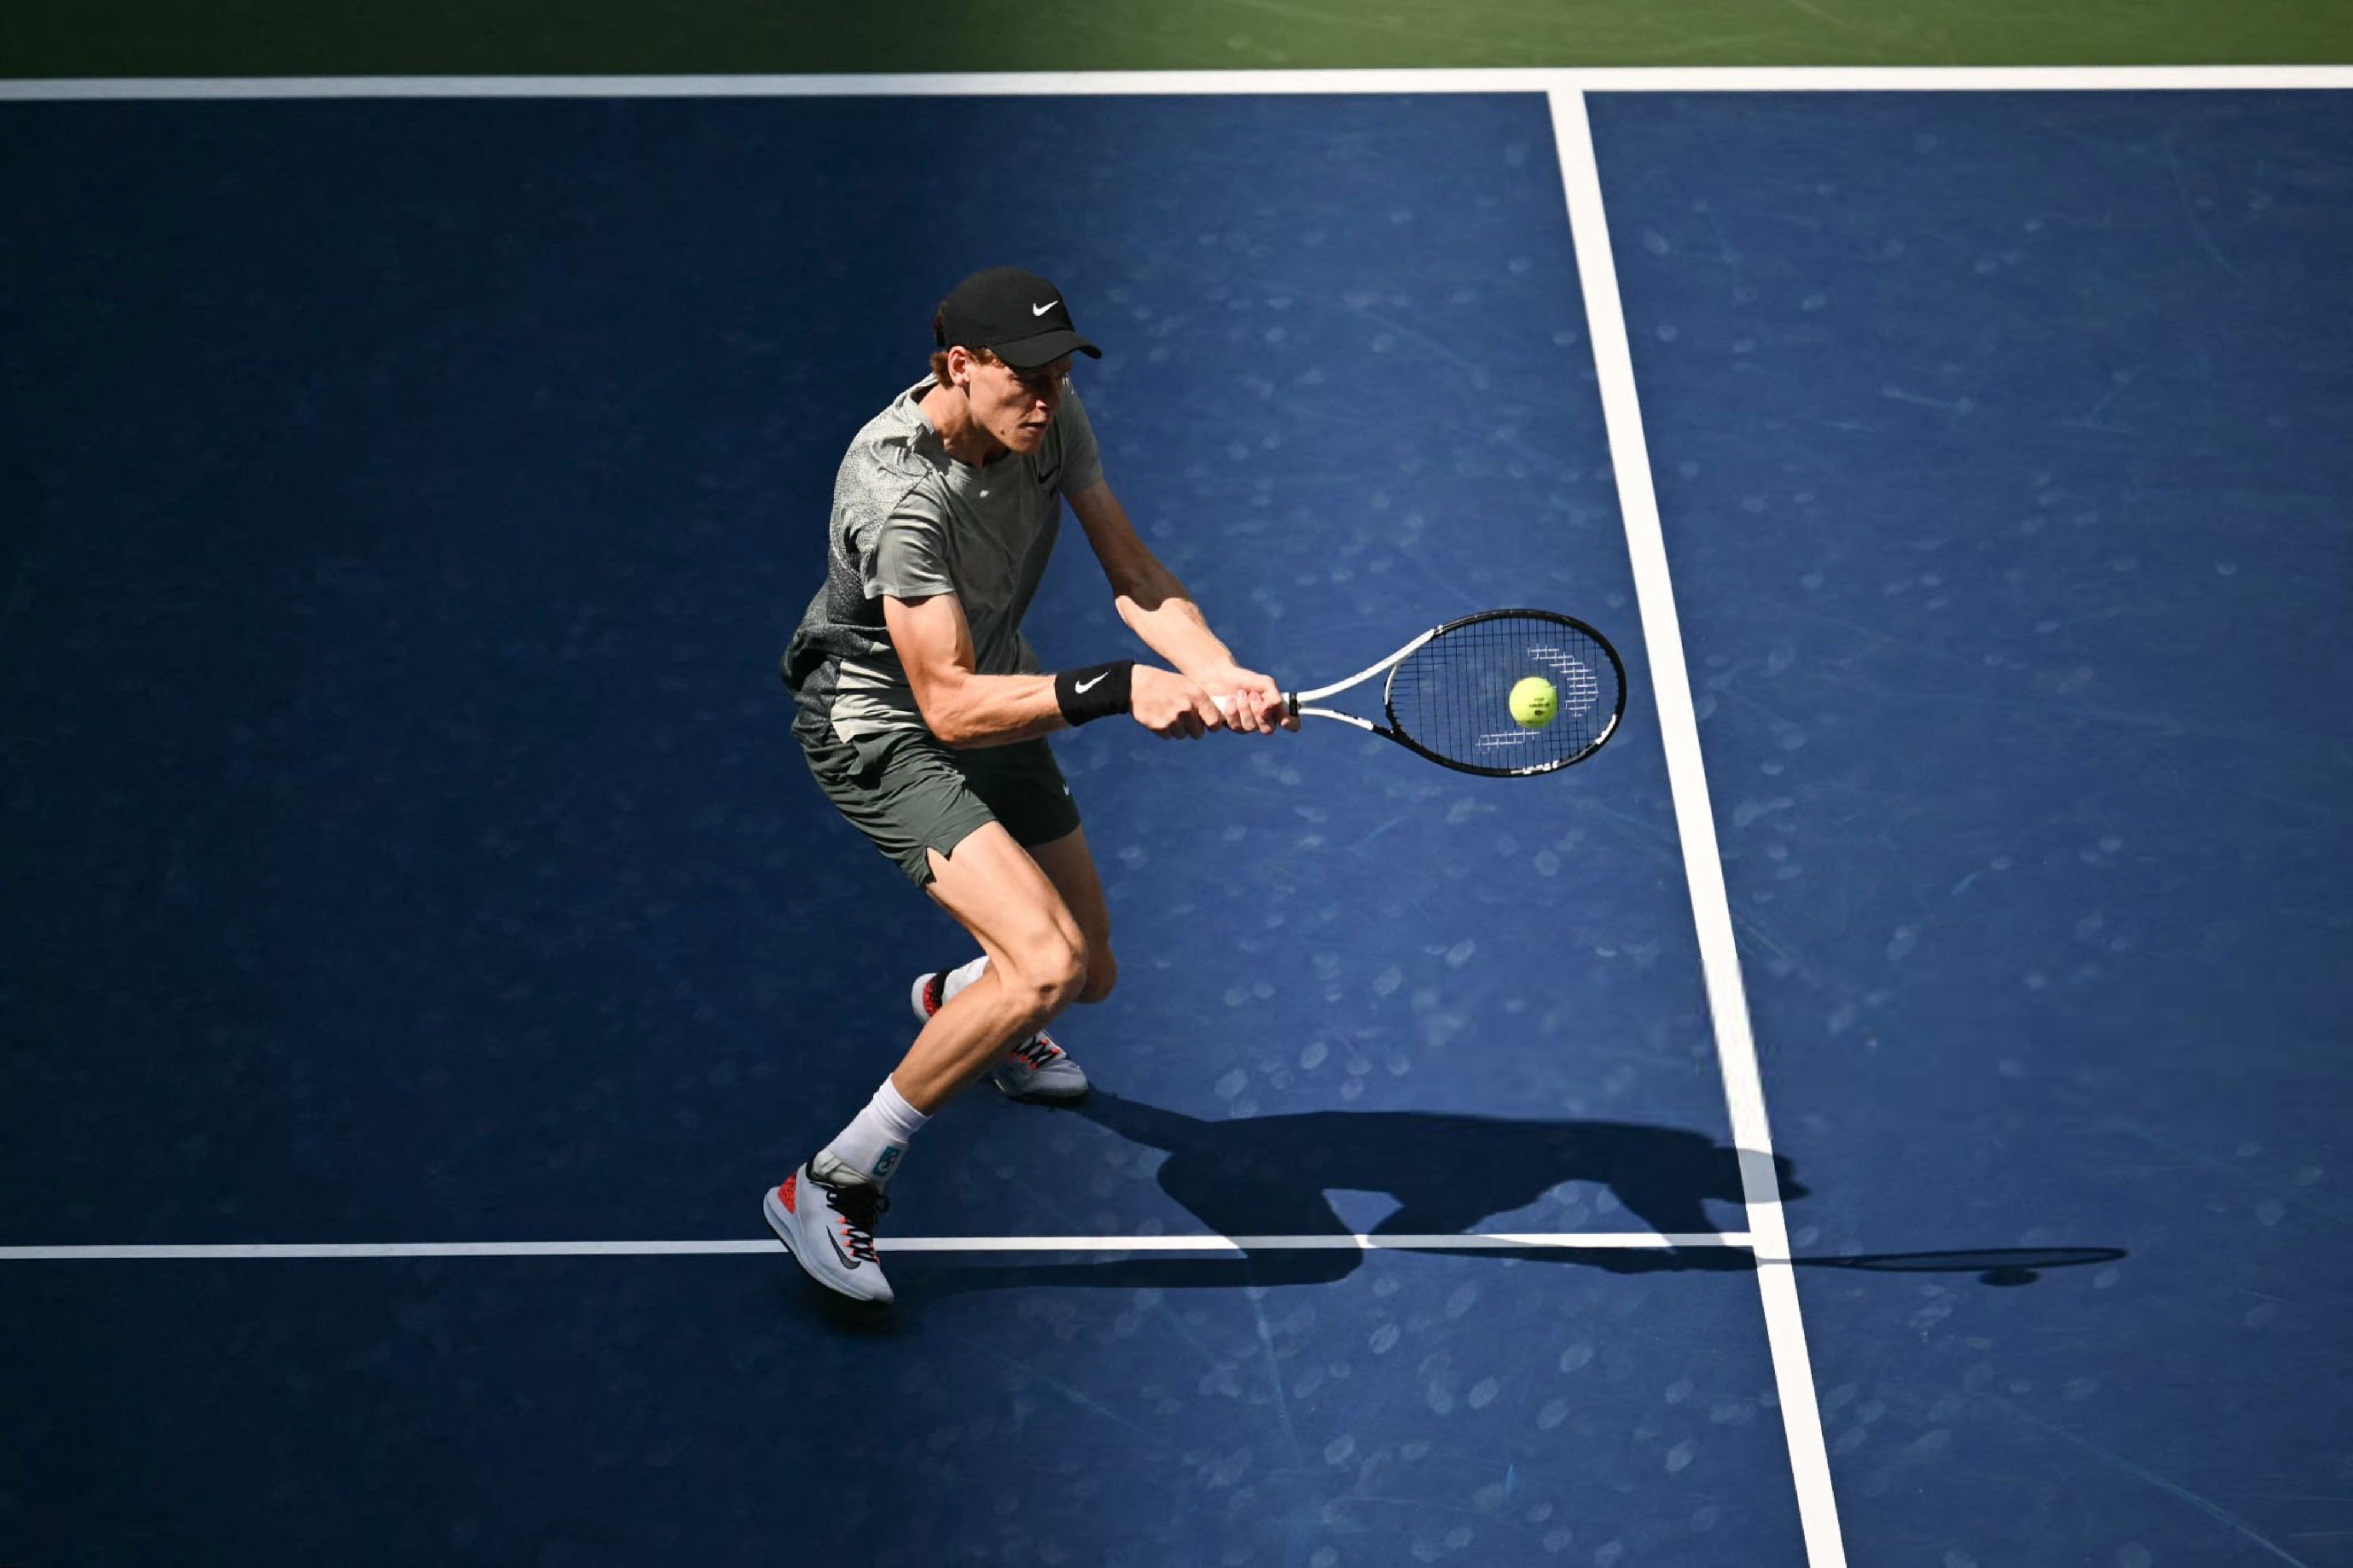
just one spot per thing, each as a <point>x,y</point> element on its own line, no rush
<point>1449,693</point>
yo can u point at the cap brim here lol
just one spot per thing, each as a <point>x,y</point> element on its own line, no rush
<point>1028,353</point>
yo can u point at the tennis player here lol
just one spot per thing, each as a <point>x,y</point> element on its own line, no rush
<point>923,712</point>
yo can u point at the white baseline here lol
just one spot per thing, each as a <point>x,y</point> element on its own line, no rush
<point>1001,84</point>
<point>1523,1242</point>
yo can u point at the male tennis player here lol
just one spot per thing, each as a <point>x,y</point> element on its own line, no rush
<point>923,714</point>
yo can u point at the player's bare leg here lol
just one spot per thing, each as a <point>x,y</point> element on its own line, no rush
<point>826,1212</point>
<point>1038,964</point>
<point>1071,867</point>
<point>1035,1068</point>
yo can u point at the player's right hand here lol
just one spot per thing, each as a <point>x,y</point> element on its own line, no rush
<point>1170,706</point>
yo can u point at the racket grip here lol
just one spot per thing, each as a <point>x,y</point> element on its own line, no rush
<point>1289,703</point>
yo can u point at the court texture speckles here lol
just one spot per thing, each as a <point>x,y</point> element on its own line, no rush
<point>408,850</point>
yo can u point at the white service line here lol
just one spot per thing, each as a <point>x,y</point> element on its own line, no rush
<point>1735,1047</point>
<point>1531,1241</point>
<point>1130,83</point>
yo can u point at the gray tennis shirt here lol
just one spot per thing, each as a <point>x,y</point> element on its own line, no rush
<point>910,521</point>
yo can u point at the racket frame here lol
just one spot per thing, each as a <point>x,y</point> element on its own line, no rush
<point>1298,701</point>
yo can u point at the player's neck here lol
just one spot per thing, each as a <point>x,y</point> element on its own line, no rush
<point>964,437</point>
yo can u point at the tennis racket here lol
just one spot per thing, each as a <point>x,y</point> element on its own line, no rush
<point>1447,694</point>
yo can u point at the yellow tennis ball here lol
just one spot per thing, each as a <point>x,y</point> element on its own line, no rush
<point>1534,703</point>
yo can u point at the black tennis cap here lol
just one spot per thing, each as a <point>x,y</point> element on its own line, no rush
<point>1015,314</point>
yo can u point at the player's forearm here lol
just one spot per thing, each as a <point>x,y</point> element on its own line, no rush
<point>991,710</point>
<point>1158,610</point>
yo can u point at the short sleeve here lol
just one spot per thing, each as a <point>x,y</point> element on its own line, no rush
<point>1082,461</point>
<point>911,555</point>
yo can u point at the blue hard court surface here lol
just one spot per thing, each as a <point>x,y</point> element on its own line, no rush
<point>1998,442</point>
<point>408,844</point>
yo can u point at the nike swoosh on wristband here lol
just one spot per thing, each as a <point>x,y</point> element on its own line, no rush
<point>1041,309</point>
<point>1085,685</point>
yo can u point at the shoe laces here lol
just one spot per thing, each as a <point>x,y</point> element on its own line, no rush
<point>859,1205</point>
<point>1037,1051</point>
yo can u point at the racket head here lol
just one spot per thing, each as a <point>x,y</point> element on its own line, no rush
<point>1449,699</point>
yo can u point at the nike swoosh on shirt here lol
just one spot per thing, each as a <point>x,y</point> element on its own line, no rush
<point>1041,309</point>
<point>1085,685</point>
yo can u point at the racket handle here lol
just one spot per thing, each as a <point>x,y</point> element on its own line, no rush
<point>1289,703</point>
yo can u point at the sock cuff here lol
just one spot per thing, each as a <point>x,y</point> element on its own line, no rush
<point>897,1114</point>
<point>876,1139</point>
<point>827,1166</point>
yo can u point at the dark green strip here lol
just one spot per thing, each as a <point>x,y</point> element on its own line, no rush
<point>371,37</point>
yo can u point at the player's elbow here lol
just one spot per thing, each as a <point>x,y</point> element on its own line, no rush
<point>947,722</point>
<point>1147,595</point>
<point>946,714</point>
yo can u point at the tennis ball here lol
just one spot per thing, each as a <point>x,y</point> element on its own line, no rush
<point>1534,703</point>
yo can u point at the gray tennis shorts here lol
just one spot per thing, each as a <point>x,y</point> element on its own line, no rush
<point>909,793</point>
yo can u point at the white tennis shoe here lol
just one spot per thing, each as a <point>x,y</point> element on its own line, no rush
<point>829,1227</point>
<point>1035,1069</point>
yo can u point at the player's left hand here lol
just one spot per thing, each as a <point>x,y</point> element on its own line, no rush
<point>1251,702</point>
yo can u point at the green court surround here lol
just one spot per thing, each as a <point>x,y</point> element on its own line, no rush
<point>76,38</point>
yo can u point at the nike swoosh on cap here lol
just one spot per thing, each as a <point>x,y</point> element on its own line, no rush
<point>1041,309</point>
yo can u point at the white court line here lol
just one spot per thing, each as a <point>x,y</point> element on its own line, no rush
<point>1529,1241</point>
<point>1727,1002</point>
<point>1615,78</point>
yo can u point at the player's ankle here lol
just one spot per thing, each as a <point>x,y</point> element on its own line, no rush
<point>829,1167</point>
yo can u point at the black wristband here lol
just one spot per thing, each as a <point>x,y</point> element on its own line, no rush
<point>1098,691</point>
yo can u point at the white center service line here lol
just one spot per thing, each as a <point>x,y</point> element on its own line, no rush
<point>1727,1002</point>
<point>1529,1241</point>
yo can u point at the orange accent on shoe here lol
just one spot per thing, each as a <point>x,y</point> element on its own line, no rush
<point>785,1191</point>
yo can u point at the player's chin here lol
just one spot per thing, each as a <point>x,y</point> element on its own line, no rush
<point>1026,437</point>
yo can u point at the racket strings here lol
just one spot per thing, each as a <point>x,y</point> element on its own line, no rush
<point>1453,694</point>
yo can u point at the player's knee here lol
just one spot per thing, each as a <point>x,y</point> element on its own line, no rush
<point>1102,973</point>
<point>1050,976</point>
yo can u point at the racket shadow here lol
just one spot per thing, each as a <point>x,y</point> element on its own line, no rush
<point>1272,1175</point>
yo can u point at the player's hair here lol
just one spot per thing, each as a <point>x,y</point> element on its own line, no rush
<point>940,355</point>
<point>940,362</point>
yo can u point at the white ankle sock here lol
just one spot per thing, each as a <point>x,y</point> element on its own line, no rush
<point>876,1138</point>
<point>961,976</point>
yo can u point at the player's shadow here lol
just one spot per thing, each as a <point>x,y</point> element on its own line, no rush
<point>1271,1176</point>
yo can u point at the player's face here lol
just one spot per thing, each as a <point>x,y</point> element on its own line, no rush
<point>1014,406</point>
